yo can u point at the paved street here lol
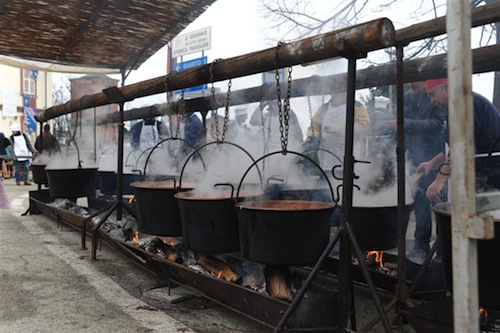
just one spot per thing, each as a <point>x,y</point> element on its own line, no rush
<point>48,284</point>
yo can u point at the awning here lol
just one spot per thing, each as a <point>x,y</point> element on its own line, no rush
<point>90,36</point>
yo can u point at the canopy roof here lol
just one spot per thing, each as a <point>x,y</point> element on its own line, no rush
<point>110,35</point>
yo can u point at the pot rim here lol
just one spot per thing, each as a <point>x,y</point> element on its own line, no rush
<point>284,205</point>
<point>159,185</point>
<point>71,169</point>
<point>215,196</point>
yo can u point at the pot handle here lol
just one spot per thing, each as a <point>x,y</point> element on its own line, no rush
<point>277,178</point>
<point>226,184</point>
<point>173,179</point>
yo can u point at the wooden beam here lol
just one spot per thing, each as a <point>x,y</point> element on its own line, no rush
<point>489,13</point>
<point>484,60</point>
<point>358,39</point>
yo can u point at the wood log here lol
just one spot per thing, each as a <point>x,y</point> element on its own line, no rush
<point>357,39</point>
<point>277,282</point>
<point>484,60</point>
<point>158,246</point>
<point>218,268</point>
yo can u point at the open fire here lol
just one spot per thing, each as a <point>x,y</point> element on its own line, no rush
<point>275,281</point>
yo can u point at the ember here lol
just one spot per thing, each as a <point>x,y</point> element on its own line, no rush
<point>378,257</point>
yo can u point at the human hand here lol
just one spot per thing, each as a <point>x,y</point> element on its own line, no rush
<point>424,167</point>
<point>434,191</point>
<point>392,124</point>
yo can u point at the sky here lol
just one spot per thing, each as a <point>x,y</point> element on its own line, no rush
<point>237,28</point>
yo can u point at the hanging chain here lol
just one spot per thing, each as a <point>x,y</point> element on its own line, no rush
<point>287,107</point>
<point>283,108</point>
<point>95,135</point>
<point>169,113</point>
<point>310,115</point>
<point>226,114</point>
<point>215,115</point>
<point>182,108</point>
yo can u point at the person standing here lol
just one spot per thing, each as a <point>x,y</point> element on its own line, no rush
<point>148,133</point>
<point>327,129</point>
<point>4,143</point>
<point>21,146</point>
<point>267,118</point>
<point>47,142</point>
<point>424,129</point>
<point>486,135</point>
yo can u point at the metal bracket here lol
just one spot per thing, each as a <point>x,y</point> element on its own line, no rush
<point>345,49</point>
<point>479,227</point>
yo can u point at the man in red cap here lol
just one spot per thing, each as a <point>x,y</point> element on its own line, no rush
<point>486,133</point>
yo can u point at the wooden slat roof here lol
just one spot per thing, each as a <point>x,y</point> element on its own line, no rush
<point>115,34</point>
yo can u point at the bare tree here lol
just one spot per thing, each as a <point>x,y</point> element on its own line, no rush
<point>295,19</point>
<point>60,95</point>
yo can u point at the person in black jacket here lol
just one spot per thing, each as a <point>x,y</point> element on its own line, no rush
<point>425,124</point>
<point>4,143</point>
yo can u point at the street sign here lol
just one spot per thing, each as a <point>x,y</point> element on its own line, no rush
<point>196,41</point>
<point>270,76</point>
<point>190,64</point>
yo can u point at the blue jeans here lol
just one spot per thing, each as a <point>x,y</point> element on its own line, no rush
<point>423,213</point>
<point>21,170</point>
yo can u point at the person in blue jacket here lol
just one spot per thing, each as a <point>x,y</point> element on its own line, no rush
<point>486,137</point>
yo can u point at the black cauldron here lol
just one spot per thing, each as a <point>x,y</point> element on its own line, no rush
<point>157,209</point>
<point>107,182</point>
<point>210,222</point>
<point>376,228</point>
<point>39,175</point>
<point>487,257</point>
<point>72,183</point>
<point>284,232</point>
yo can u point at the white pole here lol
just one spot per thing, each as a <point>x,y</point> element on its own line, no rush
<point>462,195</point>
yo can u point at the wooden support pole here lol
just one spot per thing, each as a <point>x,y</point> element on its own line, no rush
<point>462,181</point>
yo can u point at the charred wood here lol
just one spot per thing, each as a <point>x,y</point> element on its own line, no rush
<point>277,278</point>
<point>218,268</point>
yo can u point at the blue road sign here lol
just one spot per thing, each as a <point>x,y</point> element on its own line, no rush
<point>190,64</point>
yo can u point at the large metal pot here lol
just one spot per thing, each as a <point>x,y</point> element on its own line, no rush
<point>284,232</point>
<point>210,222</point>
<point>39,175</point>
<point>376,228</point>
<point>107,182</point>
<point>487,258</point>
<point>157,209</point>
<point>72,183</point>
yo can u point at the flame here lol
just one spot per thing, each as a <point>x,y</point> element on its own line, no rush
<point>483,313</point>
<point>378,256</point>
<point>219,275</point>
<point>131,200</point>
<point>136,239</point>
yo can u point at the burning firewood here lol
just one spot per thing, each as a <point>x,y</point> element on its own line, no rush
<point>156,245</point>
<point>277,282</point>
<point>218,268</point>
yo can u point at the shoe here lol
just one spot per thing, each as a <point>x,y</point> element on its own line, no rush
<point>416,256</point>
<point>27,183</point>
<point>18,183</point>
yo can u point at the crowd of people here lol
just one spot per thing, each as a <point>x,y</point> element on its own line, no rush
<point>426,140</point>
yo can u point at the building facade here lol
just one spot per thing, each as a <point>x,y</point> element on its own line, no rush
<point>24,92</point>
